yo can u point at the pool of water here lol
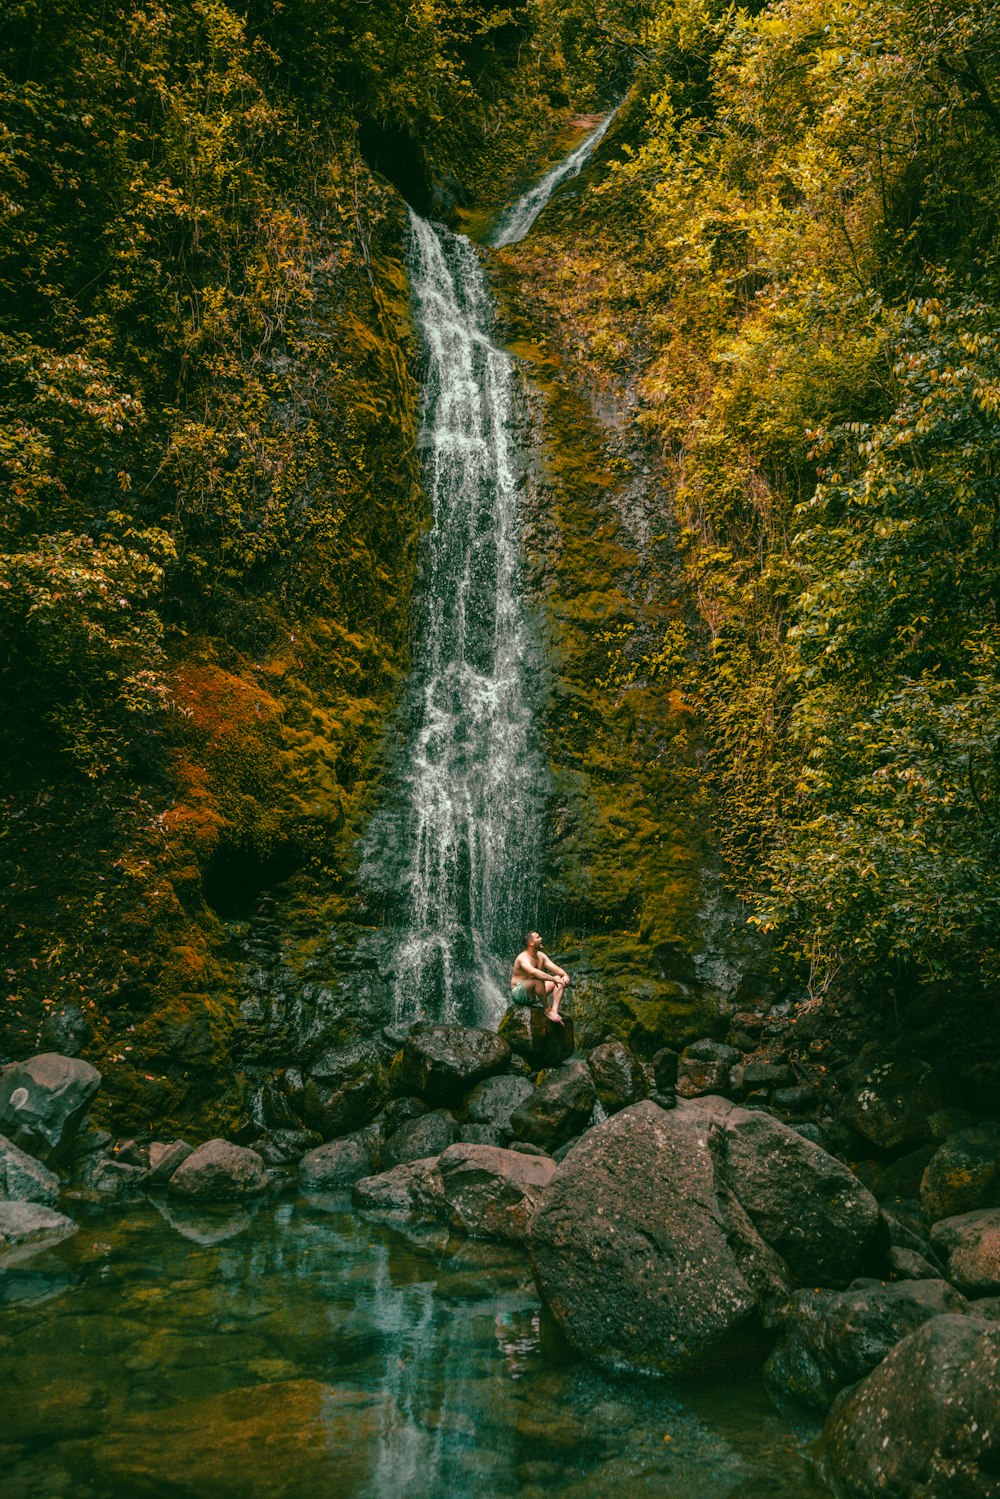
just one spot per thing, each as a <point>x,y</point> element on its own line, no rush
<point>302,1350</point>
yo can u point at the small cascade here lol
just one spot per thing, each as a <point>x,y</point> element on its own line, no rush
<point>516,220</point>
<point>472,773</point>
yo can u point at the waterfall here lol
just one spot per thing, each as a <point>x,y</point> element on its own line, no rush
<point>472,771</point>
<point>516,220</point>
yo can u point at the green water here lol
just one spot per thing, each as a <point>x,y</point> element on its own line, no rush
<point>301,1350</point>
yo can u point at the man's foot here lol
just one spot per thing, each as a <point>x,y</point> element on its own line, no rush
<point>551,1015</point>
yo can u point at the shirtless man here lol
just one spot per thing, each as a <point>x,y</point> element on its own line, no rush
<point>536,976</point>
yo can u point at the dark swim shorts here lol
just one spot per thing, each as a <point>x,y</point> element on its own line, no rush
<point>521,994</point>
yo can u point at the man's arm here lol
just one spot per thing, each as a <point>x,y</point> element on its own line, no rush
<point>553,968</point>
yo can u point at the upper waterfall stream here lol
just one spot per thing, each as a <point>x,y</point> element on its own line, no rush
<point>516,220</point>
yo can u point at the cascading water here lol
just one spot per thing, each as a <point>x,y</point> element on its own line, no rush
<point>472,774</point>
<point>516,220</point>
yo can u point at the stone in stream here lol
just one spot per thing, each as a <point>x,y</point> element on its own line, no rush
<point>43,1100</point>
<point>494,1100</point>
<point>830,1339</point>
<point>619,1076</point>
<point>889,1102</point>
<point>970,1245</point>
<point>345,1089</point>
<point>24,1179</point>
<point>262,1442</point>
<point>491,1193</point>
<point>963,1174</point>
<point>340,1163</point>
<point>219,1172</point>
<point>531,1035</point>
<point>924,1422</point>
<point>559,1108</point>
<point>440,1063</point>
<point>643,1254</point>
<point>286,1147</point>
<point>27,1228</point>
<point>413,1190</point>
<point>165,1158</point>
<point>419,1138</point>
<point>909,1264</point>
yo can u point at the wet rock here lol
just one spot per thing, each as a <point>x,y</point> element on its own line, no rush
<point>798,1100</point>
<point>26,1228</point>
<point>399,1111</point>
<point>495,1099</point>
<point>440,1063</point>
<point>340,1163</point>
<point>908,1264</point>
<point>944,1122</point>
<point>889,1102</point>
<point>344,1090</point>
<point>618,1075</point>
<point>526,1148</point>
<point>65,1030</point>
<point>963,1173</point>
<point>970,1246</point>
<point>924,1422</point>
<point>23,1178</point>
<point>558,1108</point>
<point>804,1203</point>
<point>429,1135</point>
<point>706,1067</point>
<point>491,1193</point>
<point>831,1340</point>
<point>532,1036</point>
<point>767,1075</point>
<point>902,1178</point>
<point>478,1134</point>
<point>219,1172</point>
<point>665,1064</point>
<point>271,1108</point>
<point>164,1160</point>
<point>286,1147</point>
<point>101,1178</point>
<point>413,1190</point>
<point>42,1102</point>
<point>641,1251</point>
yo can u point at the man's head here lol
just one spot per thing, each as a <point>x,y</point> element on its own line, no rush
<point>532,940</point>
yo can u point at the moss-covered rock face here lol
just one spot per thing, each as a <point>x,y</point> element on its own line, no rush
<point>632,896</point>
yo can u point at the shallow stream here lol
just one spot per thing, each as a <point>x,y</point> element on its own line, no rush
<point>298,1349</point>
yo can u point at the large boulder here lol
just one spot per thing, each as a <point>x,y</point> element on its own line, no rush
<point>340,1163</point>
<point>219,1171</point>
<point>970,1244</point>
<point>441,1062</point>
<point>963,1174</point>
<point>345,1089</point>
<point>491,1193</point>
<point>642,1252</point>
<point>557,1109</point>
<point>619,1076</point>
<point>923,1424</point>
<point>889,1102</point>
<point>413,1190</point>
<point>832,1339</point>
<point>428,1135</point>
<point>43,1100</point>
<point>803,1202</point>
<point>532,1035</point>
<point>24,1179</point>
<point>26,1228</point>
<point>492,1101</point>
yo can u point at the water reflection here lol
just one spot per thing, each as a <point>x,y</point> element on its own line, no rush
<point>310,1351</point>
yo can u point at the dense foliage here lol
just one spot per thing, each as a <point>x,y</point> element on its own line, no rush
<point>802,226</point>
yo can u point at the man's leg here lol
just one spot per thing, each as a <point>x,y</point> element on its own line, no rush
<point>555,990</point>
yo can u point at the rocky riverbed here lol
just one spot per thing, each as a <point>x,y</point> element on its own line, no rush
<point>689,1217</point>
